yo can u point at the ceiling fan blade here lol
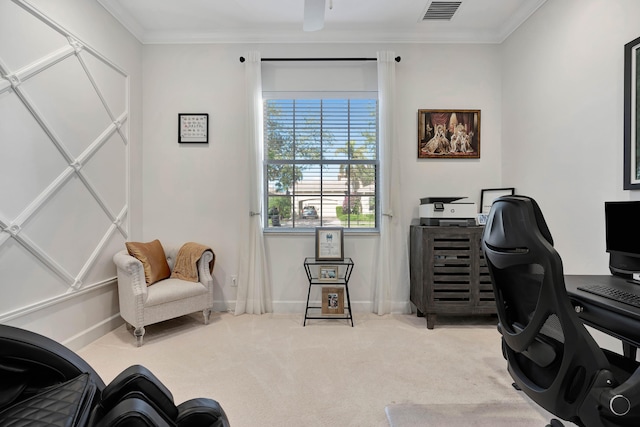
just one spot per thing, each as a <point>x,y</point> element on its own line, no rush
<point>313,15</point>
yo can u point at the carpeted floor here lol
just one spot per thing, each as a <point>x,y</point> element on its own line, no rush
<point>269,370</point>
<point>486,414</point>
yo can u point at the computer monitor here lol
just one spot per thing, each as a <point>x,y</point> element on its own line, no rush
<point>622,221</point>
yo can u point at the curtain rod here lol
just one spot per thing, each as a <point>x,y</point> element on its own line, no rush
<point>318,59</point>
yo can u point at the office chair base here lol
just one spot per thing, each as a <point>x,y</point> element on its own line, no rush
<point>555,423</point>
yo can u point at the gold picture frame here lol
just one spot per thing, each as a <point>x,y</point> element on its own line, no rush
<point>332,300</point>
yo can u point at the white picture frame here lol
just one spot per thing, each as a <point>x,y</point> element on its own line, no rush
<point>328,273</point>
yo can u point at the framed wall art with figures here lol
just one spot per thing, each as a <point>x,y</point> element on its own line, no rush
<point>448,134</point>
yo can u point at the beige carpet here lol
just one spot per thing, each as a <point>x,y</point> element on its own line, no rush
<point>487,414</point>
<point>271,371</point>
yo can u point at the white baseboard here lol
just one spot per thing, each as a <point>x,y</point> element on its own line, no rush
<point>292,307</point>
<point>91,334</point>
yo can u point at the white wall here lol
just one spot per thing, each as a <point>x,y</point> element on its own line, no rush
<point>562,125</point>
<point>198,192</point>
<point>56,272</point>
<point>551,103</point>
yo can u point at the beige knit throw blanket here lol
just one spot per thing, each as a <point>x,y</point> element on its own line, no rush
<point>186,267</point>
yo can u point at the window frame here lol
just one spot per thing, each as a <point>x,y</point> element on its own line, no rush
<point>296,96</point>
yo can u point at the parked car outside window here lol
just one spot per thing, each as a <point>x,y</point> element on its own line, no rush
<point>309,212</point>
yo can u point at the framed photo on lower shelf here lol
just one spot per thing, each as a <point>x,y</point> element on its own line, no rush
<point>332,300</point>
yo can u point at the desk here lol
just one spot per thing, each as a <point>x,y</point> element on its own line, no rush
<point>614,318</point>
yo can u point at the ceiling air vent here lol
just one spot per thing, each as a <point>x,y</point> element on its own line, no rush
<point>441,10</point>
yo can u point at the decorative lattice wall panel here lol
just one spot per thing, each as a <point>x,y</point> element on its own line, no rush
<point>64,111</point>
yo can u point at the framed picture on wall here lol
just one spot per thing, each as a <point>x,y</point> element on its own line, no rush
<point>193,128</point>
<point>448,134</point>
<point>487,196</point>
<point>631,116</point>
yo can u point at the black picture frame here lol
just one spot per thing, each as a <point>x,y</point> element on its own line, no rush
<point>488,195</point>
<point>193,128</point>
<point>329,243</point>
<point>632,115</point>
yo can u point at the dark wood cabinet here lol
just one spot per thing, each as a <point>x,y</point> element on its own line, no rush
<point>449,274</point>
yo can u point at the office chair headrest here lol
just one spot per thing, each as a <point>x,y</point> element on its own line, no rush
<point>515,225</point>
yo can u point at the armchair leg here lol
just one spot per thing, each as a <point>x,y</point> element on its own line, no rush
<point>206,313</point>
<point>139,333</point>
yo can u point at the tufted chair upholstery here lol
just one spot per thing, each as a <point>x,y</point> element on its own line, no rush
<point>142,305</point>
<point>43,383</point>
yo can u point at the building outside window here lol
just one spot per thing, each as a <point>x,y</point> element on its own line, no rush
<point>321,162</point>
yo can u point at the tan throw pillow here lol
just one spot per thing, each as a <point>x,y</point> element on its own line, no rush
<point>153,259</point>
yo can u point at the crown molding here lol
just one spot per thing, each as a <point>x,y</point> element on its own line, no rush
<point>328,35</point>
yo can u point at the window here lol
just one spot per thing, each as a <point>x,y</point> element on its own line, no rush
<point>321,162</point>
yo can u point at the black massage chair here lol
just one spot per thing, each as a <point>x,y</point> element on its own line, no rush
<point>43,383</point>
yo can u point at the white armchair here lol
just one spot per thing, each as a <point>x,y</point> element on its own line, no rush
<point>142,305</point>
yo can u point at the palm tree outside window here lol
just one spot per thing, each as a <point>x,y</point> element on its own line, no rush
<point>321,162</point>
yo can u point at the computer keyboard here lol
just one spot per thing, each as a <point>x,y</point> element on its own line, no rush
<point>612,293</point>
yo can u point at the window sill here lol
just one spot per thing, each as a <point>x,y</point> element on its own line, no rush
<point>311,231</point>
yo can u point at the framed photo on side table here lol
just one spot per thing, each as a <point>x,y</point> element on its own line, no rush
<point>193,128</point>
<point>329,243</point>
<point>332,300</point>
<point>328,273</point>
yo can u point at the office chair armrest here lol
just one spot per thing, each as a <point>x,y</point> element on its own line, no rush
<point>622,398</point>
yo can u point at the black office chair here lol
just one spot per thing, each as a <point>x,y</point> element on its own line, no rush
<point>551,356</point>
<point>43,383</point>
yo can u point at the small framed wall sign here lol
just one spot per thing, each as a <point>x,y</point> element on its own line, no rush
<point>193,128</point>
<point>329,243</point>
